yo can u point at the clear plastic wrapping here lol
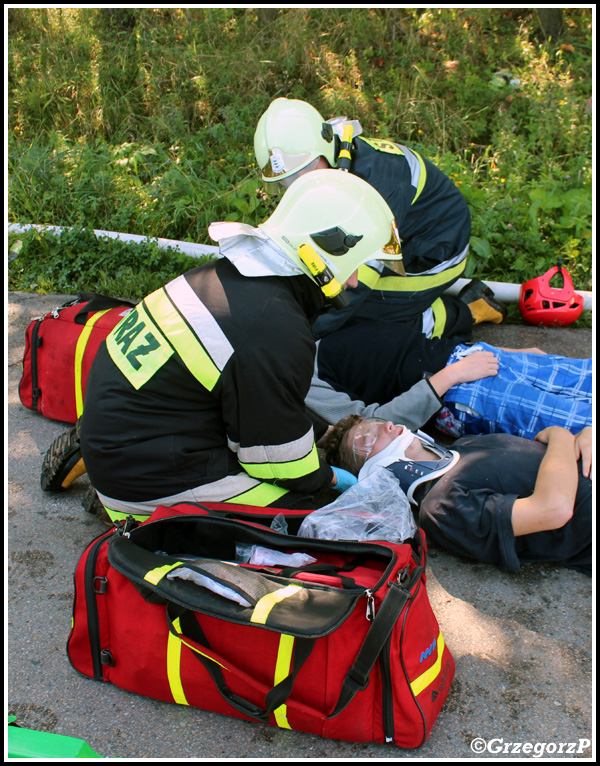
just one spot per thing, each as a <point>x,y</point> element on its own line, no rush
<point>375,508</point>
<point>256,554</point>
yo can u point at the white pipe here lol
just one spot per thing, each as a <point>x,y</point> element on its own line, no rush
<point>189,248</point>
<point>506,292</point>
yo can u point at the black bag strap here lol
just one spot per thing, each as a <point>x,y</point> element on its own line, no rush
<point>357,677</point>
<point>98,302</point>
<point>276,697</point>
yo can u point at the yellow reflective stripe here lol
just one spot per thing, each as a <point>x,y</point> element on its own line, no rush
<point>261,495</point>
<point>266,603</point>
<point>154,576</point>
<point>174,644</point>
<point>185,342</point>
<point>428,677</point>
<point>137,347</point>
<point>440,315</point>
<point>368,275</point>
<point>422,178</point>
<point>289,470</point>
<point>121,515</point>
<point>419,283</point>
<point>382,145</point>
<point>282,671</point>
<point>201,321</point>
<point>79,352</point>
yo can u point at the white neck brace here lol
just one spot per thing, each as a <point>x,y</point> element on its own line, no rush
<point>442,460</point>
<point>395,450</point>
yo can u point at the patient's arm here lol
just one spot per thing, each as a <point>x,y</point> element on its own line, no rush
<point>551,504</point>
<point>479,364</point>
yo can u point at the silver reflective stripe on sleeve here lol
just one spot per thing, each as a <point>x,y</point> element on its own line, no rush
<point>201,321</point>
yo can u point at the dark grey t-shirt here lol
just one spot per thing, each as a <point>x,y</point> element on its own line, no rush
<point>468,511</point>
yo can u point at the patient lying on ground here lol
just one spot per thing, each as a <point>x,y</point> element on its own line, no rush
<point>496,498</point>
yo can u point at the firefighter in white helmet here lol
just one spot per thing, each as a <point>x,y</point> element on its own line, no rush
<point>432,217</point>
<point>199,393</point>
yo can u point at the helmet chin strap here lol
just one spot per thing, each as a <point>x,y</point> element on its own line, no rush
<point>410,472</point>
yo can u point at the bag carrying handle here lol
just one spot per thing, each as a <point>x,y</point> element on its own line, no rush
<point>98,302</point>
<point>387,615</point>
<point>274,698</point>
<point>356,679</point>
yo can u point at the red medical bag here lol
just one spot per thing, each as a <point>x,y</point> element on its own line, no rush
<point>346,647</point>
<point>59,350</point>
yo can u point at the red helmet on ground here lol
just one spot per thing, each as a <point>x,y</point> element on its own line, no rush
<point>542,304</point>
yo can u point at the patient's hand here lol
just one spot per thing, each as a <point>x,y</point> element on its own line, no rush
<point>479,364</point>
<point>583,450</point>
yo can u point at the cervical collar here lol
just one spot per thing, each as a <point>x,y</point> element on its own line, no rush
<point>411,473</point>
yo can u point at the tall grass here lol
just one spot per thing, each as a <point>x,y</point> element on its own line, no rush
<point>142,120</point>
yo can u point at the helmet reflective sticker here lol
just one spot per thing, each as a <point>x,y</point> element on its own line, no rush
<point>280,163</point>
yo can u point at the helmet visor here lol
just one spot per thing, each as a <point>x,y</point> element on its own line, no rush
<point>277,184</point>
<point>280,163</point>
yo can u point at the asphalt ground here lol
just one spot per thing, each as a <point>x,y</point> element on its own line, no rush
<point>523,642</point>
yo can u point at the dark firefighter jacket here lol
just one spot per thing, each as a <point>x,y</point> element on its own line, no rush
<point>434,224</point>
<point>204,384</point>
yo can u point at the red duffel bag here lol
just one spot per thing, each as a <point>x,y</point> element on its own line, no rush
<point>345,646</point>
<point>59,350</point>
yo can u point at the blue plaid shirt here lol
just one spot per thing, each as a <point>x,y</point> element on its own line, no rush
<point>529,393</point>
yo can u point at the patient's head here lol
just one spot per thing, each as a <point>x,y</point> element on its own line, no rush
<point>355,439</point>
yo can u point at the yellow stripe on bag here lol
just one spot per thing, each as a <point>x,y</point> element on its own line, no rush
<point>174,644</point>
<point>428,677</point>
<point>266,603</point>
<point>154,576</point>
<point>79,352</point>
<point>282,671</point>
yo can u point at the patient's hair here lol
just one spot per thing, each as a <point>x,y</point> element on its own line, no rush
<point>337,450</point>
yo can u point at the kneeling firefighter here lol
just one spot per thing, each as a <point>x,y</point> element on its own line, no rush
<point>431,214</point>
<point>198,394</point>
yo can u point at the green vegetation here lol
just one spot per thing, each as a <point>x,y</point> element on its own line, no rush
<point>142,121</point>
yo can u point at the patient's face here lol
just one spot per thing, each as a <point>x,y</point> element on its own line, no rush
<point>370,436</point>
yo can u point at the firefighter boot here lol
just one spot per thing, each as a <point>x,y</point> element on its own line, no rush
<point>63,462</point>
<point>482,303</point>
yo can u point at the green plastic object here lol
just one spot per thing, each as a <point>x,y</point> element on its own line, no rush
<point>26,743</point>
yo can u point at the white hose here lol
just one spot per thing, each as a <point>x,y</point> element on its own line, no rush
<point>189,248</point>
<point>506,292</point>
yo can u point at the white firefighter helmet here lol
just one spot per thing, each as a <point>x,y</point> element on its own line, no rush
<point>334,220</point>
<point>291,135</point>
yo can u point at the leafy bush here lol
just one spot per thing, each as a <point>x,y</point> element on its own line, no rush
<point>75,259</point>
<point>142,120</point>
